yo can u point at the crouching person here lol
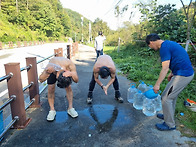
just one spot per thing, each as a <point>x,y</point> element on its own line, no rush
<point>63,71</point>
<point>104,67</point>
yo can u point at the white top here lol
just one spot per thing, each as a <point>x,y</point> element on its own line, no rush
<point>99,42</point>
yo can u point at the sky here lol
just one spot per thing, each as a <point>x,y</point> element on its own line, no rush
<point>104,9</point>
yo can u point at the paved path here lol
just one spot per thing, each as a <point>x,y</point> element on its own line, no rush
<point>105,123</point>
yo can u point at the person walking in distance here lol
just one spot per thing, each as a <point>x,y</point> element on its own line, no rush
<point>99,40</point>
<point>174,58</point>
<point>104,67</point>
<point>63,71</point>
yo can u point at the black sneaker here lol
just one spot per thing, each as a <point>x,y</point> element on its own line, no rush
<point>119,99</point>
<point>160,116</point>
<point>89,100</point>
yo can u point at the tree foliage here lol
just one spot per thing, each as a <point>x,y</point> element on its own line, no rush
<point>33,20</point>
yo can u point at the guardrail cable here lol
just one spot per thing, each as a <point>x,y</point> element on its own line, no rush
<point>45,58</point>
<point>26,67</point>
<point>28,86</point>
<point>30,103</point>
<point>6,77</point>
<point>9,126</point>
<point>12,98</point>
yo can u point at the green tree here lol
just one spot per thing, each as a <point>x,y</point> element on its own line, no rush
<point>190,15</point>
<point>169,23</point>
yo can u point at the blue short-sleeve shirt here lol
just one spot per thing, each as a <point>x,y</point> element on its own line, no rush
<point>180,63</point>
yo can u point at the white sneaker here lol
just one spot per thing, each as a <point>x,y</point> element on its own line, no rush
<point>72,112</point>
<point>51,115</point>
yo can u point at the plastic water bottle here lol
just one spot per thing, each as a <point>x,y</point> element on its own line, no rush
<point>149,108</point>
<point>142,86</point>
<point>148,88</point>
<point>131,91</point>
<point>138,100</point>
<point>158,104</point>
<point>55,66</point>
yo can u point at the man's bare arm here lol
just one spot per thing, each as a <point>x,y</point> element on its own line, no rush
<point>111,80</point>
<point>162,75</point>
<point>96,77</point>
<point>44,75</point>
<point>72,73</point>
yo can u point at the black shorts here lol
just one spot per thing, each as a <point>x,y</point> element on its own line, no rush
<point>51,79</point>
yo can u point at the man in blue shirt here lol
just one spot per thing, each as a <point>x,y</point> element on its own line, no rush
<point>174,58</point>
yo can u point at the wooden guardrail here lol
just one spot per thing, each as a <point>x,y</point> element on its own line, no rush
<point>16,91</point>
<point>18,44</point>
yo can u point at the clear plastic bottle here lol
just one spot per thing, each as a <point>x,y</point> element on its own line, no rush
<point>55,66</point>
<point>138,100</point>
<point>131,91</point>
<point>148,88</point>
<point>142,86</point>
<point>158,104</point>
<point>149,108</point>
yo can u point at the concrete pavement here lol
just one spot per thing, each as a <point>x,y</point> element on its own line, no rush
<point>104,123</point>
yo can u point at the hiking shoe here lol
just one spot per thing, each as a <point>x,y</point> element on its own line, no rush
<point>160,116</point>
<point>51,115</point>
<point>72,112</point>
<point>89,100</point>
<point>119,99</point>
<point>164,127</point>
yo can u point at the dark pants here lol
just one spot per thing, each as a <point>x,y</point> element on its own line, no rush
<point>99,53</point>
<point>92,86</point>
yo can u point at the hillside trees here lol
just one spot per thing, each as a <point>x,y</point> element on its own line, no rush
<point>33,20</point>
<point>164,20</point>
<point>169,23</point>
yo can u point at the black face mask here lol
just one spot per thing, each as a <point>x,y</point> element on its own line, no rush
<point>63,82</point>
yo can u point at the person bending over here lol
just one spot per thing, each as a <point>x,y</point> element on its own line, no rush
<point>174,58</point>
<point>104,67</point>
<point>63,71</point>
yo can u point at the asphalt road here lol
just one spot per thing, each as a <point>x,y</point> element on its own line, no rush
<point>104,123</point>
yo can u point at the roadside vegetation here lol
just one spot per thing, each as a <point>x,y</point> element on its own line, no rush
<point>139,62</point>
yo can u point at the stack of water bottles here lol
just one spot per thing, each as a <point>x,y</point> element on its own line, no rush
<point>144,98</point>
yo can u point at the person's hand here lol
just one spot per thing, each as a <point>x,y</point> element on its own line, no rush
<point>156,88</point>
<point>105,89</point>
<point>67,73</point>
<point>169,76</point>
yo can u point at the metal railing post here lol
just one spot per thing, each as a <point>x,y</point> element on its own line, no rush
<point>73,48</point>
<point>69,51</point>
<point>76,47</point>
<point>18,44</point>
<point>14,85</point>
<point>33,77</point>
<point>60,52</point>
<point>10,44</point>
<point>56,52</point>
<point>30,43</point>
<point>25,43</point>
